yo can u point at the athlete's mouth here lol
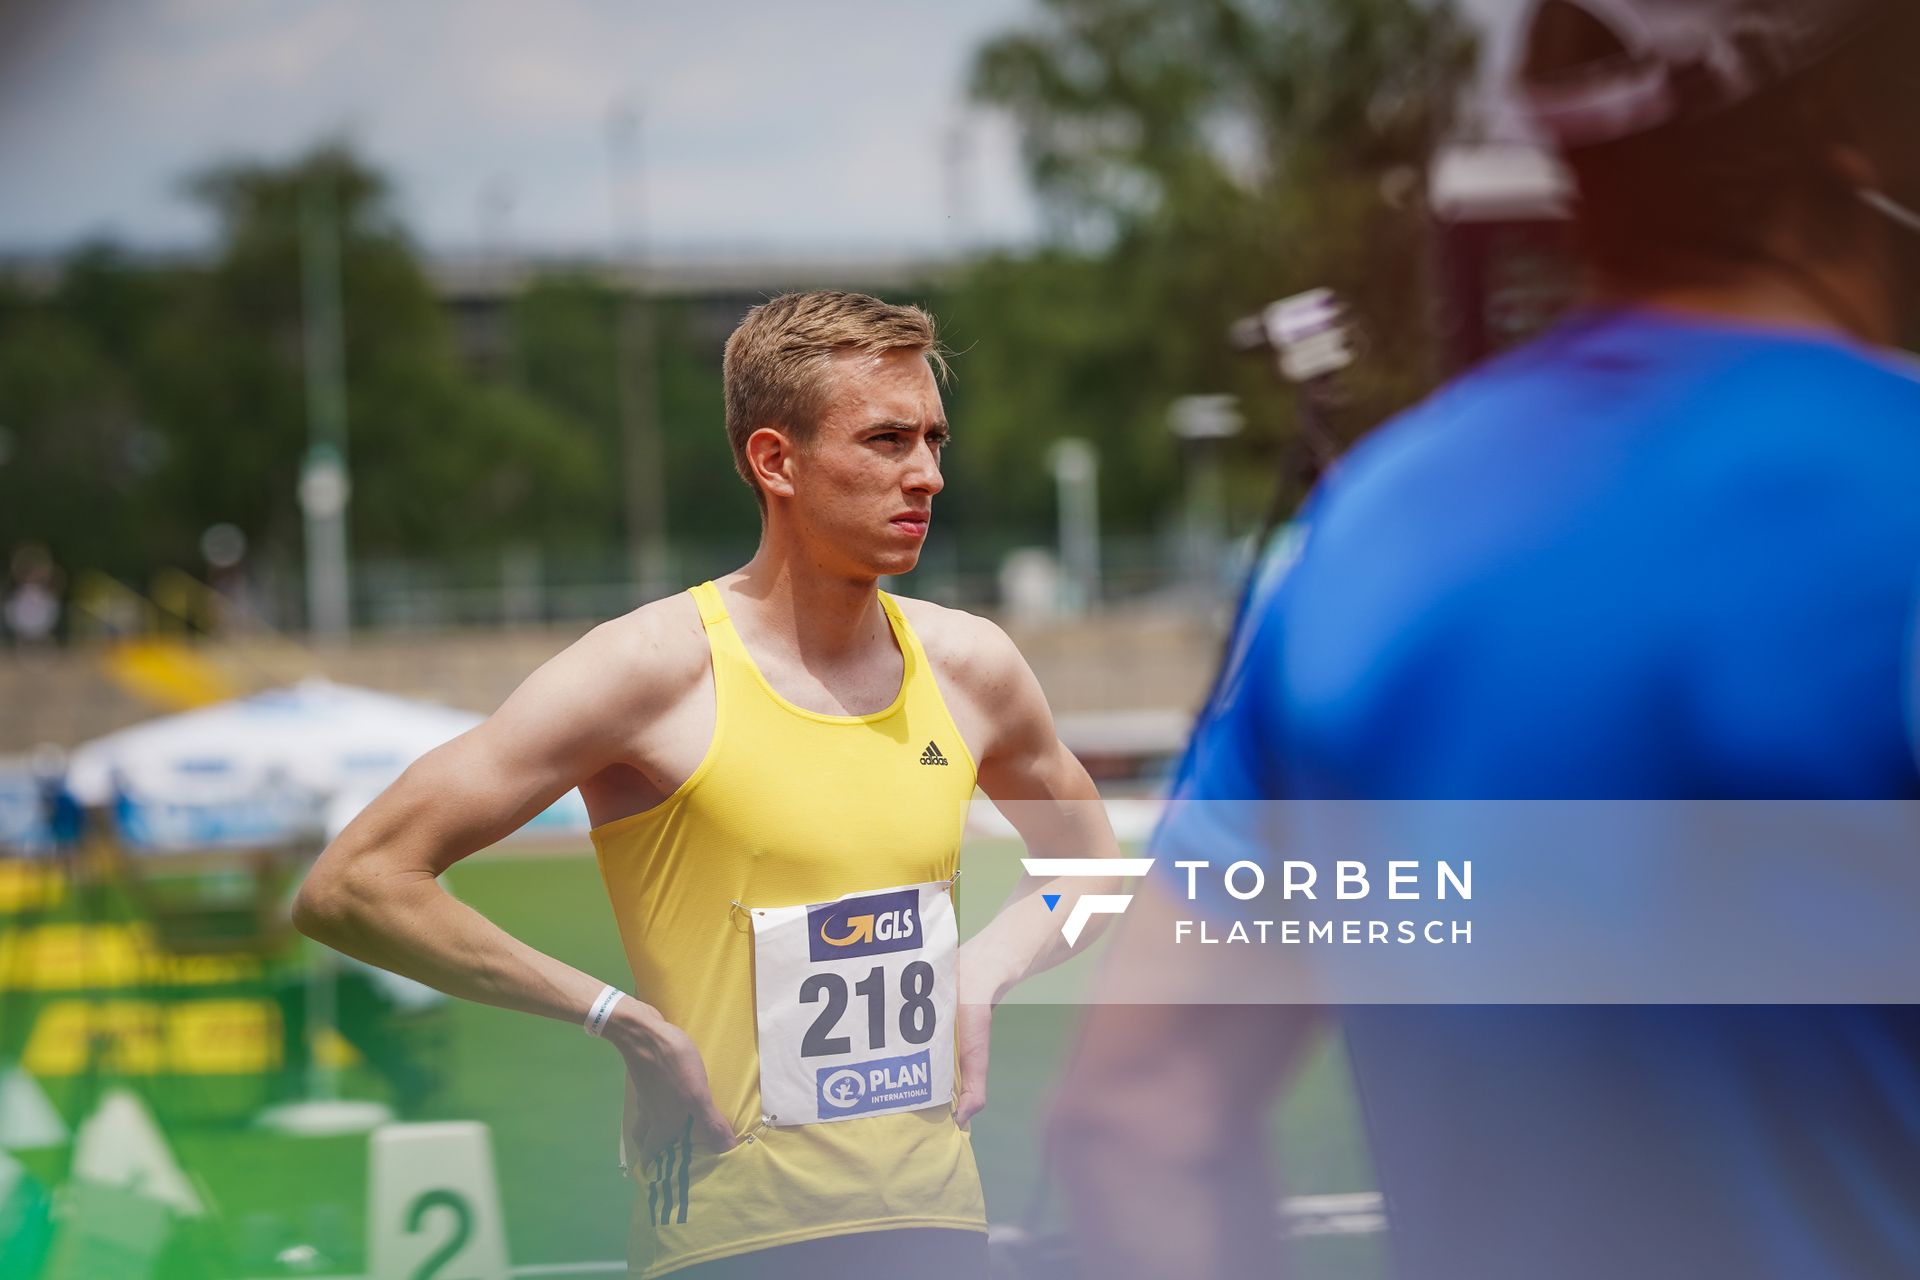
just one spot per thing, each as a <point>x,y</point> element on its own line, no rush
<point>913,522</point>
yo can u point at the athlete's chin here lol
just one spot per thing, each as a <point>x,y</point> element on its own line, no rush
<point>891,563</point>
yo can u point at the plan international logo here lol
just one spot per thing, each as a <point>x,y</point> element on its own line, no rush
<point>1089,905</point>
<point>869,1086</point>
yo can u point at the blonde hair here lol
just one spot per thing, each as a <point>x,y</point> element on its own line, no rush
<point>776,365</point>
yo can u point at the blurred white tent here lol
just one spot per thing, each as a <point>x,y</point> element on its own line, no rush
<point>306,756</point>
<point>316,736</point>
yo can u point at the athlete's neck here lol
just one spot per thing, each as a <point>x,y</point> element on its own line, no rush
<point>827,616</point>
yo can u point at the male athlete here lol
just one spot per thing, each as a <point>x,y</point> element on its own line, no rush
<point>777,765</point>
<point>1667,552</point>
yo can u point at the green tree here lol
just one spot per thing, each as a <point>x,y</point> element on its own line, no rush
<point>564,330</point>
<point>81,451</point>
<point>142,404</point>
<point>1196,160</point>
<point>439,464</point>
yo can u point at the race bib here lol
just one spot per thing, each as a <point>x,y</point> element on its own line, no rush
<point>854,1000</point>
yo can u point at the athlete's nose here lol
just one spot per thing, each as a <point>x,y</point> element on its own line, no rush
<point>924,475</point>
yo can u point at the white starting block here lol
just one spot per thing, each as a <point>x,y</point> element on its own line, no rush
<point>119,1145</point>
<point>433,1208</point>
<point>27,1119</point>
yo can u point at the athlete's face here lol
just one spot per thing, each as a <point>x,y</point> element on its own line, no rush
<point>863,485</point>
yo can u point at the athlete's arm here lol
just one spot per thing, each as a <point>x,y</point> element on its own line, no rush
<point>1045,793</point>
<point>375,894</point>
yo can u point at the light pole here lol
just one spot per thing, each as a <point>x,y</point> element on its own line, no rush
<point>642,453</point>
<point>1076,478</point>
<point>493,214</point>
<point>1202,424</point>
<point>324,486</point>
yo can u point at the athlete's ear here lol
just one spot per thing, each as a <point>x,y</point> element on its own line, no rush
<point>770,457</point>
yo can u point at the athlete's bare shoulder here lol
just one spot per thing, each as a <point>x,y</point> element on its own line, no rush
<point>608,701</point>
<point>996,703</point>
<point>650,658</point>
<point>970,653</point>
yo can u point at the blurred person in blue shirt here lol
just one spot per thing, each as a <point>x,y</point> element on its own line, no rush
<point>1668,551</point>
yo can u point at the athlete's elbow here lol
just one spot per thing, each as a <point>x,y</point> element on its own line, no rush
<point>316,912</point>
<point>328,906</point>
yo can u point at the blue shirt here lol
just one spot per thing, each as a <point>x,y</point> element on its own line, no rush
<point>1642,558</point>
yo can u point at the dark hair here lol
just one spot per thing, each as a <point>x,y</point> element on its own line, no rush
<point>1695,199</point>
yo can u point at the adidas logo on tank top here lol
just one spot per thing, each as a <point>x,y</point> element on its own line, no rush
<point>932,755</point>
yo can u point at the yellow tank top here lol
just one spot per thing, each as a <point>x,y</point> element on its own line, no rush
<point>788,807</point>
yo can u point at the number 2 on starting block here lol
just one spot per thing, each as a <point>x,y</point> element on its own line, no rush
<point>433,1210</point>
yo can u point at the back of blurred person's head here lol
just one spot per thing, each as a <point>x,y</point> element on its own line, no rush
<point>1709,139</point>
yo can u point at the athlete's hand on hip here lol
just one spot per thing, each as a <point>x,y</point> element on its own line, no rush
<point>669,1080</point>
<point>972,1031</point>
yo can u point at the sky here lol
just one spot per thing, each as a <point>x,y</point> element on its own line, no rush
<point>774,126</point>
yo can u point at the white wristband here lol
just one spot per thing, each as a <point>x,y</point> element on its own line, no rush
<point>596,1023</point>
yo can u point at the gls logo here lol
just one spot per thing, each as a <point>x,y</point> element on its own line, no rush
<point>871,929</point>
<point>871,925</point>
<point>1093,904</point>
